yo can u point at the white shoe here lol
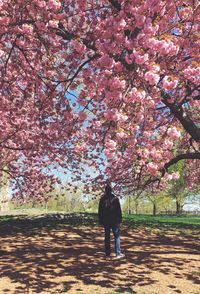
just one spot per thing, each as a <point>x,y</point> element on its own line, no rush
<point>121,255</point>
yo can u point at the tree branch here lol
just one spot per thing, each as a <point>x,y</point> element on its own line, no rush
<point>115,4</point>
<point>186,122</point>
<point>190,155</point>
<point>79,69</point>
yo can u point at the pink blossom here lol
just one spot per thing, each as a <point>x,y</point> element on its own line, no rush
<point>173,133</point>
<point>110,154</point>
<point>174,50</point>
<point>135,95</point>
<point>140,19</point>
<point>129,59</point>
<point>78,46</point>
<point>28,29</point>
<point>154,67</point>
<point>164,47</point>
<point>53,4</point>
<point>167,154</point>
<point>80,148</point>
<point>82,116</point>
<point>148,134</point>
<point>53,23</point>
<point>175,176</point>
<point>106,61</point>
<point>108,115</point>
<point>121,135</point>
<point>1,53</point>
<point>185,12</point>
<point>192,72</point>
<point>41,3</point>
<point>150,101</point>
<point>129,44</point>
<point>169,84</point>
<point>152,78</point>
<point>96,124</point>
<point>108,73</point>
<point>152,168</point>
<point>110,144</point>
<point>155,154</point>
<point>121,25</point>
<point>168,144</point>
<point>41,25</point>
<point>149,29</point>
<point>115,115</point>
<point>168,177</point>
<point>118,66</point>
<point>117,83</point>
<point>4,20</point>
<point>145,153</point>
<point>140,59</point>
<point>118,116</point>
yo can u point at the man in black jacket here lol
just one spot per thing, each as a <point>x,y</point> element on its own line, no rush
<point>110,217</point>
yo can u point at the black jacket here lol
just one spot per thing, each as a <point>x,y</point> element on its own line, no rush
<point>109,211</point>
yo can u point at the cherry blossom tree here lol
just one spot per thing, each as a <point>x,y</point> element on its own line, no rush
<point>111,83</point>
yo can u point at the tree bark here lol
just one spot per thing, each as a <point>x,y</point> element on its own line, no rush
<point>178,207</point>
<point>129,205</point>
<point>154,209</point>
<point>136,208</point>
<point>187,123</point>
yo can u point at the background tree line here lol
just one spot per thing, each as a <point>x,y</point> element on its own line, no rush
<point>165,202</point>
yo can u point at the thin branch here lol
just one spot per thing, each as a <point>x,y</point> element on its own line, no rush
<point>13,177</point>
<point>10,136</point>
<point>15,148</point>
<point>79,69</point>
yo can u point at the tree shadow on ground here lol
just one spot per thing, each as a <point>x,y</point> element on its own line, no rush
<point>58,254</point>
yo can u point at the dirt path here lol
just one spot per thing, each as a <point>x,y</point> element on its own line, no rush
<point>70,260</point>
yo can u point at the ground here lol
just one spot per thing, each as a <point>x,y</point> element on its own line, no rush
<point>54,255</point>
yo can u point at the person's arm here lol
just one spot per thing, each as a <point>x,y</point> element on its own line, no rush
<point>100,212</point>
<point>119,211</point>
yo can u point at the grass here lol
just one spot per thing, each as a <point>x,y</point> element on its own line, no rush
<point>165,224</point>
<point>164,219</point>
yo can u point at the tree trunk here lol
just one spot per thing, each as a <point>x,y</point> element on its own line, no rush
<point>178,207</point>
<point>33,204</point>
<point>154,208</point>
<point>129,205</point>
<point>136,208</point>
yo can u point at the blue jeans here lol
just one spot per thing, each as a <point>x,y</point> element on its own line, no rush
<point>116,233</point>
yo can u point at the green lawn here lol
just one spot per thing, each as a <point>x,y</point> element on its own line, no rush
<point>181,219</point>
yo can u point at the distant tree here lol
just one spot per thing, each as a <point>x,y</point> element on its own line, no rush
<point>132,203</point>
<point>68,201</point>
<point>4,192</point>
<point>179,189</point>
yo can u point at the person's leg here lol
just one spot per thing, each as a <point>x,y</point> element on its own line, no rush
<point>107,240</point>
<point>116,232</point>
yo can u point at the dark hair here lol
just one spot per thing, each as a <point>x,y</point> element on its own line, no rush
<point>108,196</point>
<point>108,191</point>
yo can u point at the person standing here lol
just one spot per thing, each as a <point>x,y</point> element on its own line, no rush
<point>110,217</point>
